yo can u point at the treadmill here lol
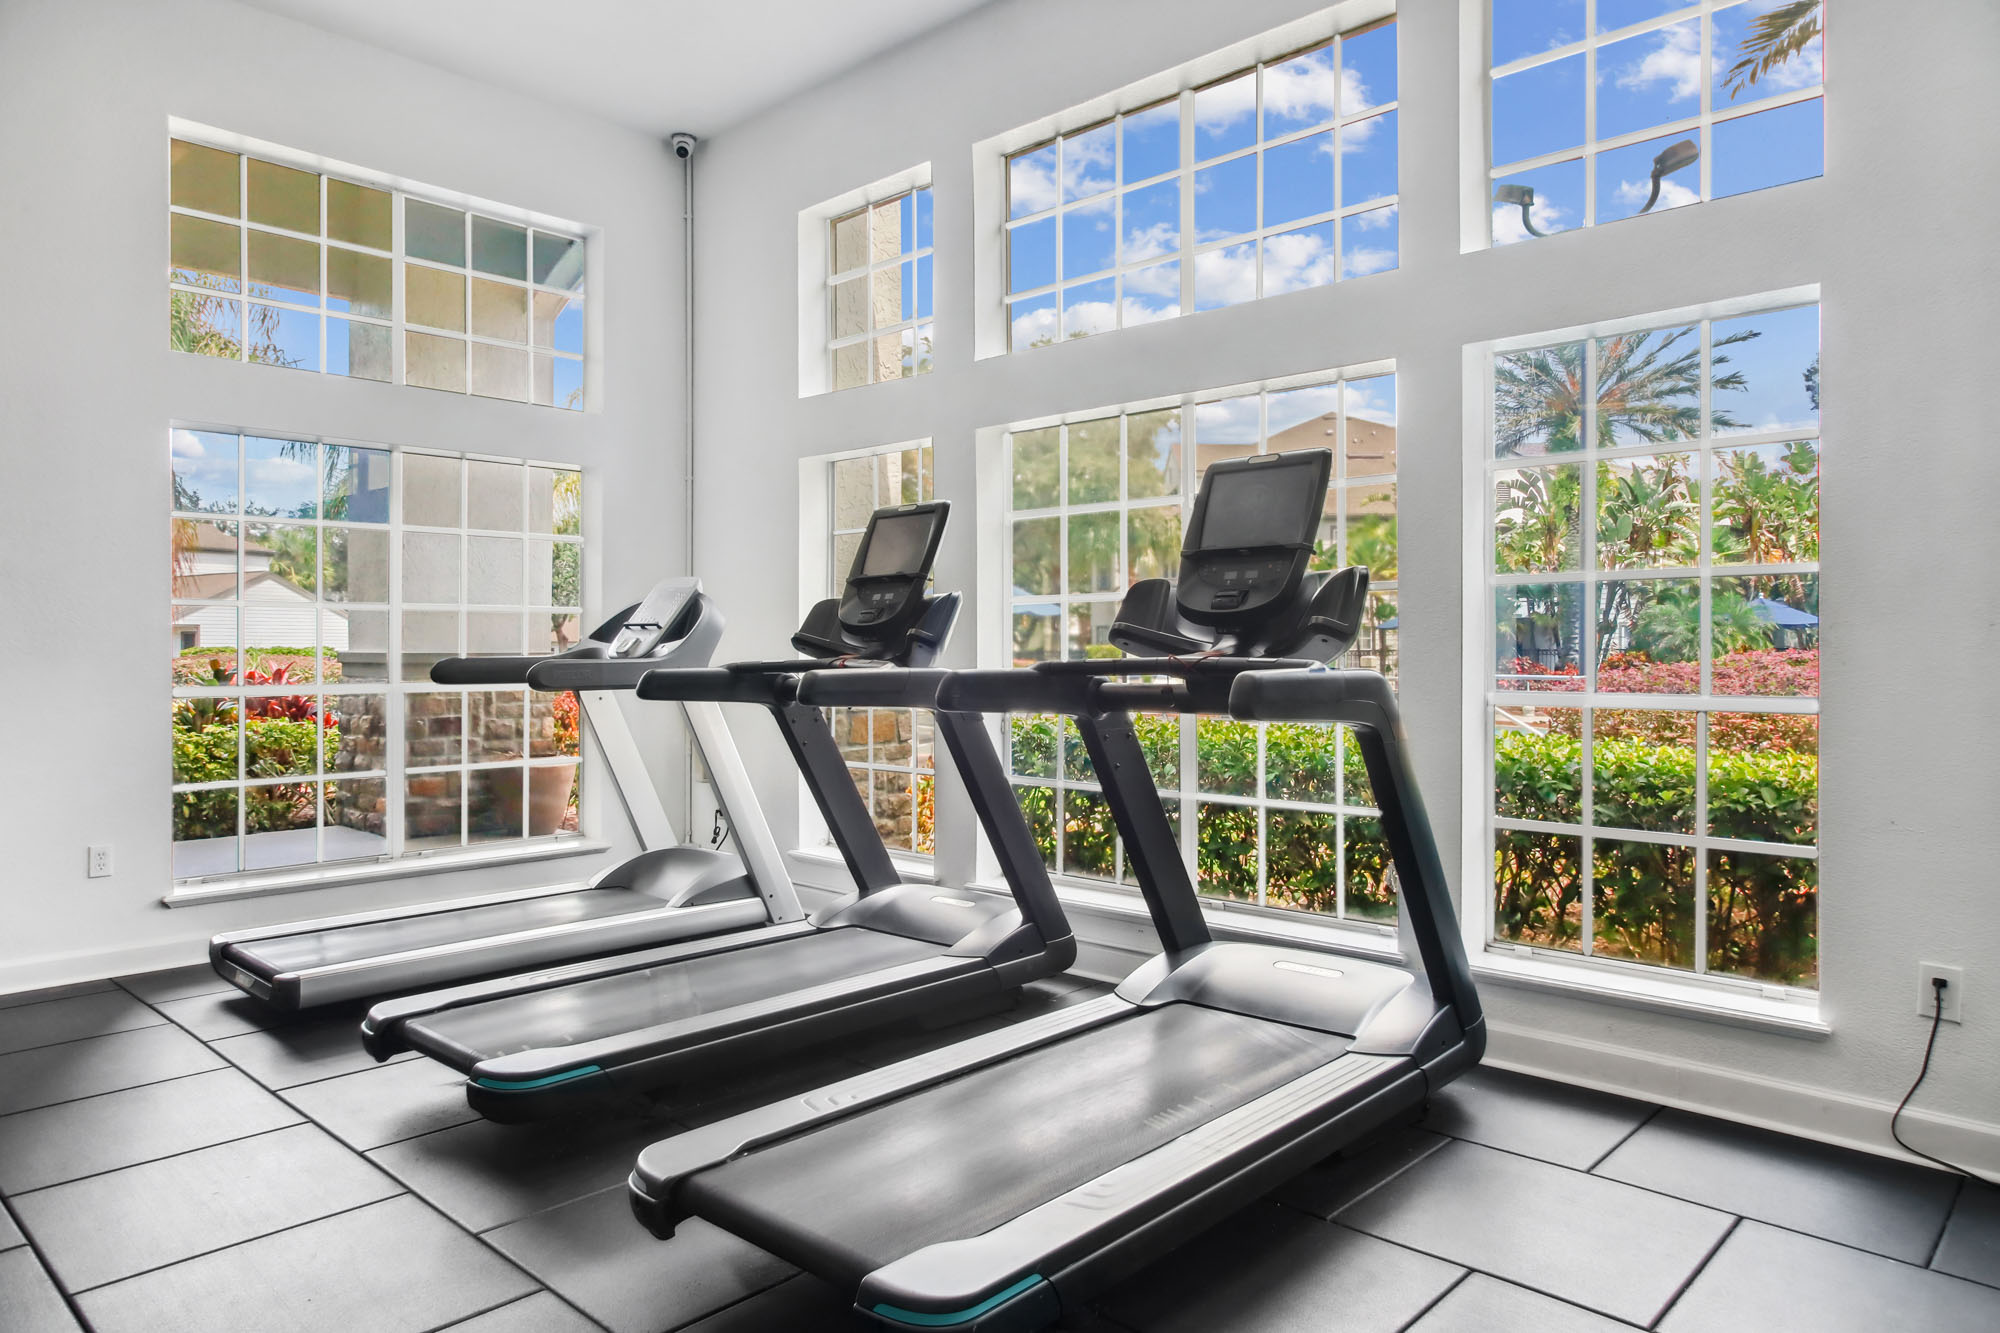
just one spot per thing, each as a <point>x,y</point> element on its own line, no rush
<point>621,1029</point>
<point>999,1183</point>
<point>667,892</point>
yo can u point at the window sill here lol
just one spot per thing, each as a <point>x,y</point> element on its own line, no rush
<point>1788,1014</point>
<point>822,868</point>
<point>298,880</point>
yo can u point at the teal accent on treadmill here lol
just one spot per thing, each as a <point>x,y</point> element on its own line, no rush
<point>922,1320</point>
<point>523,1085</point>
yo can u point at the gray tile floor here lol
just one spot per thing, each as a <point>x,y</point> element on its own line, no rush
<point>172,1159</point>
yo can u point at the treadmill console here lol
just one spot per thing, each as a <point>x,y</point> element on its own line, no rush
<point>1251,537</point>
<point>884,597</point>
<point>654,620</point>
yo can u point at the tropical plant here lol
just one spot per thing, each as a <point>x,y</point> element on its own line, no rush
<point>1648,390</point>
<point>1774,38</point>
<point>1537,517</point>
<point>1648,515</point>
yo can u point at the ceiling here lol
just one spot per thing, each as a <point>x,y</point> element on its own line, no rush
<point>653,65</point>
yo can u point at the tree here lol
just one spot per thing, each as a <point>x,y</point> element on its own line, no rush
<point>1648,515</point>
<point>1774,38</point>
<point>1648,389</point>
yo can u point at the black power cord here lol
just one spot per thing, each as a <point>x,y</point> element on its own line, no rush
<point>1938,985</point>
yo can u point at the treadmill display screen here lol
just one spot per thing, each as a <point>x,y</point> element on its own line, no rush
<point>897,544</point>
<point>1272,504</point>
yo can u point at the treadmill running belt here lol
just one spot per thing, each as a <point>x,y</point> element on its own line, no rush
<point>961,1158</point>
<point>630,1001</point>
<point>347,944</point>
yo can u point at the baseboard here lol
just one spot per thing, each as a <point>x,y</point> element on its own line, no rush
<point>60,969</point>
<point>1791,1108</point>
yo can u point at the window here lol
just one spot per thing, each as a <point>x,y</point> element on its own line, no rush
<point>891,752</point>
<point>879,290</point>
<point>1652,691</point>
<point>288,267</point>
<point>1279,177</point>
<point>314,583</point>
<point>1605,109</point>
<point>1278,815</point>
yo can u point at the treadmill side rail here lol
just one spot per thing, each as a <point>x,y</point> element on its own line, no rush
<point>663,1166</point>
<point>1071,1243</point>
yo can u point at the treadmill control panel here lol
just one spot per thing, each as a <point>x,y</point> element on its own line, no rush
<point>1250,538</point>
<point>650,623</point>
<point>884,596</point>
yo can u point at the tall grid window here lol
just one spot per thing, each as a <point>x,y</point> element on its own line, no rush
<point>1652,576</point>
<point>891,753</point>
<point>1277,178</point>
<point>287,267</point>
<point>879,290</point>
<point>1275,815</point>
<point>1605,109</point>
<point>314,583</point>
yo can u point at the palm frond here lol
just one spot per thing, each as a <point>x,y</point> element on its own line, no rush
<point>1774,38</point>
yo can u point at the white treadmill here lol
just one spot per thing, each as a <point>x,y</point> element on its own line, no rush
<point>669,891</point>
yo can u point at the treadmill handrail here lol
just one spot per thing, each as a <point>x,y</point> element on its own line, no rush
<point>732,684</point>
<point>872,687</point>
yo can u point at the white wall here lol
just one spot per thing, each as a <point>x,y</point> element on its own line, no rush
<point>88,386</point>
<point>1899,234</point>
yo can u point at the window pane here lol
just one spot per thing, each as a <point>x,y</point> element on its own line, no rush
<point>1089,836</point>
<point>1225,277</point>
<point>1642,769</point>
<point>1093,461</point>
<point>284,268</point>
<point>493,572</point>
<point>1226,756</point>
<point>1649,80</point>
<point>559,322</point>
<point>1538,889</point>
<point>357,733</point>
<point>1031,323</point>
<point>921,204</point>
<point>1539,636</point>
<point>360,351</point>
<point>1304,858</point>
<point>432,809</point>
<point>366,656</point>
<point>357,283</point>
<point>1763,917</point>
<point>1371,879</point>
<point>555,502</point>
<point>1031,182</point>
<point>1368,242</point>
<point>1764,634</point>
<point>431,362</point>
<point>279,478</point>
<point>1088,162</point>
<point>206,254</point>
<point>1299,93</point>
<point>1738,76</point>
<point>1625,180</point>
<point>1153,454</point>
<point>288,338</point>
<point>1615,14</point>
<point>1538,763</point>
<point>1642,902</point>
<point>499,311</point>
<point>204,468</point>
<point>500,372</point>
<point>1370,447</point>
<point>1536,517</point>
<point>1090,631</point>
<point>1032,745</point>
<point>356,817</point>
<point>205,325</point>
<point>1093,553</point>
<point>1367,68</point>
<point>1090,308</point>
<point>431,486</point>
<point>1371,529</point>
<point>1298,178</point>
<point>434,233</point>
<point>1090,237</point>
<point>1368,159</point>
<point>1538,401</point>
<point>1151,294</point>
<point>1538,110</point>
<point>493,804</point>
<point>1037,469</point>
<point>1031,255</point>
<point>280,822</point>
<point>1766,504</point>
<point>1035,555</point>
<point>1225,199</point>
<point>433,297</point>
<point>1296,260</point>
<point>850,312</point>
<point>499,248</point>
<point>555,571</point>
<point>284,197</point>
<point>1556,202</point>
<point>1225,116</point>
<point>1301,763</point>
<point>206,178</point>
<point>1226,850</point>
<point>1152,221</point>
<point>559,261</point>
<point>1649,636</point>
<point>1152,141</point>
<point>1526,27</point>
<point>207,731</point>
<point>359,215</point>
<point>886,290</point>
<point>430,566</point>
<point>1763,777</point>
<point>1648,512</point>
<point>493,495</point>
<point>495,727</point>
<point>433,729</point>
<point>1765,371</point>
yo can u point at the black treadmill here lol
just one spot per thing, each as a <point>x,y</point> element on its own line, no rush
<point>622,1028</point>
<point>668,891</point>
<point>999,1183</point>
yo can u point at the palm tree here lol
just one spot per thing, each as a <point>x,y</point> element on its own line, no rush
<point>1646,513</point>
<point>1648,389</point>
<point>1774,38</point>
<point>1536,527</point>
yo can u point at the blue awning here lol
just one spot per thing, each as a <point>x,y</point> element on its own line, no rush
<point>1784,617</point>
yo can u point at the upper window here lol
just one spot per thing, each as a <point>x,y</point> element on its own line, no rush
<point>1278,177</point>
<point>1275,815</point>
<point>313,585</point>
<point>879,290</point>
<point>1651,579</point>
<point>290,267</point>
<point>1606,109</point>
<point>891,753</point>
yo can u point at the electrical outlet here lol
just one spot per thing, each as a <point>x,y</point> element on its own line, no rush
<point>100,860</point>
<point>1954,991</point>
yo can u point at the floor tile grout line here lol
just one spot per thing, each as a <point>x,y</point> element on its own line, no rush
<point>237,1244</point>
<point>1497,1277</point>
<point>8,1001</point>
<point>541,1289</point>
<point>1700,1268</point>
<point>689,1323</point>
<point>114,1032</point>
<point>222,988</point>
<point>1626,1138</point>
<point>302,1122</point>
<point>150,1083</point>
<point>34,1248</point>
<point>1957,1197</point>
<point>1434,1302</point>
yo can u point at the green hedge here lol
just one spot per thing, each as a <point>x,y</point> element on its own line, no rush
<point>272,748</point>
<point>1762,908</point>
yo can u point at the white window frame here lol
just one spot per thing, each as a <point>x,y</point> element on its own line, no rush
<point>1477,98</point>
<point>401,191</point>
<point>817,278</point>
<point>1787,1006</point>
<point>997,642</point>
<point>396,857</point>
<point>920,323</point>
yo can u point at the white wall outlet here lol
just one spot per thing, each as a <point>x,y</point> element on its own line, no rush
<point>100,860</point>
<point>1954,991</point>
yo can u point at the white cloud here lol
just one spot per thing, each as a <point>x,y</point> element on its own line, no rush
<point>1226,277</point>
<point>1162,238</point>
<point>1507,229</point>
<point>1226,421</point>
<point>188,445</point>
<point>1372,399</point>
<point>1032,180</point>
<point>1035,326</point>
<point>1674,58</point>
<point>1291,407</point>
<point>1361,260</point>
<point>1138,310</point>
<point>1088,317</point>
<point>1089,161</point>
<point>1297,260</point>
<point>1633,194</point>
<point>1161,280</point>
<point>1374,219</point>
